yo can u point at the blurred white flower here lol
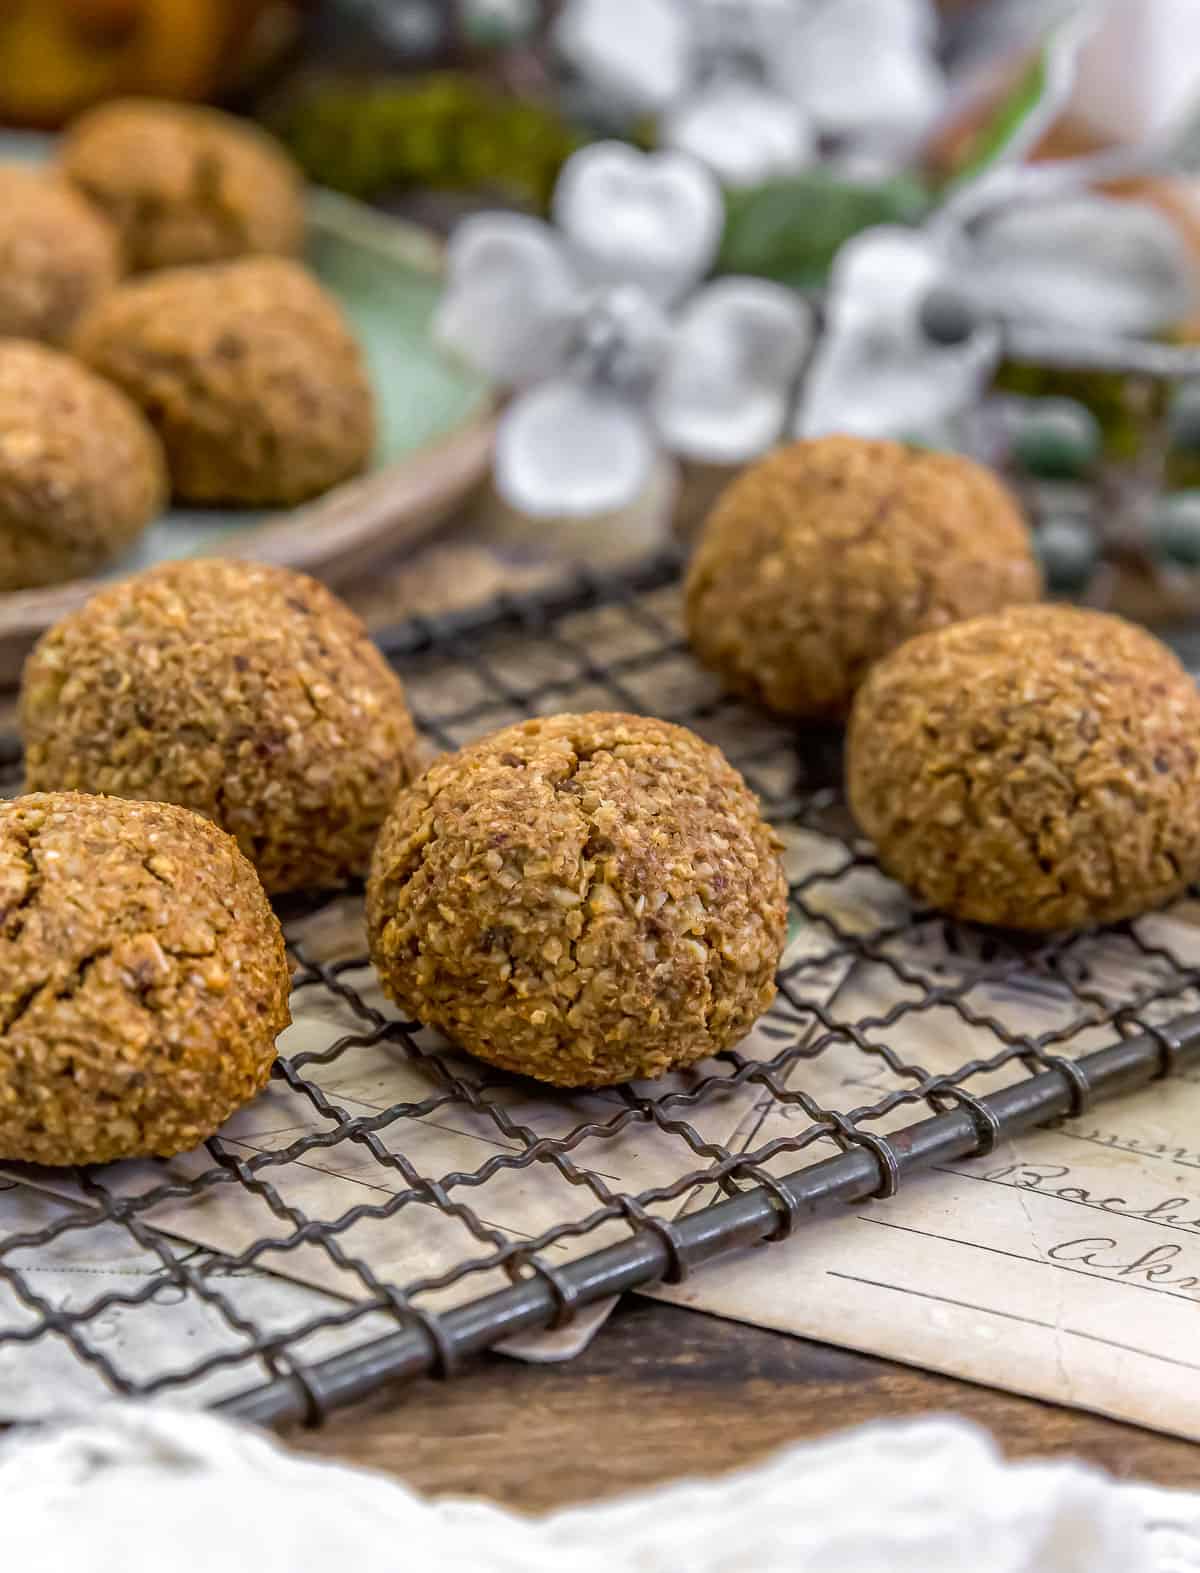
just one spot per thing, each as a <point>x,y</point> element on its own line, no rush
<point>577,317</point>
<point>1086,266</point>
<point>877,373</point>
<point>1084,263</point>
<point>748,86</point>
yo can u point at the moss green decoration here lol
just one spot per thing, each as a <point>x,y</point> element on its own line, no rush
<point>446,131</point>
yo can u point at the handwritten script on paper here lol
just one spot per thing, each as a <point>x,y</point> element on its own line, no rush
<point>1065,1264</point>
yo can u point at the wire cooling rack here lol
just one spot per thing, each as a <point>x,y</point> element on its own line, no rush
<point>411,1264</point>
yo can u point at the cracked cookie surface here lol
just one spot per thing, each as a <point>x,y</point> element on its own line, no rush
<point>248,693</point>
<point>828,553</point>
<point>248,372</point>
<point>1037,769</point>
<point>581,898</point>
<point>143,979</point>
<point>183,183</point>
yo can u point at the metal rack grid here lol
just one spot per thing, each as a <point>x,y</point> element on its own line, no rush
<point>611,642</point>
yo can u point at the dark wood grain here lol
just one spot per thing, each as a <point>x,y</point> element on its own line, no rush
<point>663,1393</point>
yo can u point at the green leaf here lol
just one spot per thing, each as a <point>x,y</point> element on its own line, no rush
<point>790,230</point>
<point>990,141</point>
<point>1043,91</point>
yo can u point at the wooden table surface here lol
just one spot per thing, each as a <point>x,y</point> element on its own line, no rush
<point>663,1392</point>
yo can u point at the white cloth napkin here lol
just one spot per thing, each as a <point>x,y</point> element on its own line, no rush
<point>140,1488</point>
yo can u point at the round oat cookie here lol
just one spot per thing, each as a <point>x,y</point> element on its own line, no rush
<point>248,693</point>
<point>58,256</point>
<point>249,373</point>
<point>183,183</point>
<point>1037,769</point>
<point>81,473</point>
<point>143,980</point>
<point>581,898</point>
<point>826,554</point>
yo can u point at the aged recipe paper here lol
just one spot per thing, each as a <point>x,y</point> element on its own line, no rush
<point>385,1233</point>
<point>283,1279</point>
<point>1065,1265</point>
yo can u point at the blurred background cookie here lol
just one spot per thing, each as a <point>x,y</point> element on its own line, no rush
<point>81,473</point>
<point>58,256</point>
<point>249,373</point>
<point>183,183</point>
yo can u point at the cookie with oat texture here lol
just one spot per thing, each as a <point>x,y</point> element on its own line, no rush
<point>826,554</point>
<point>143,979</point>
<point>1038,769</point>
<point>580,898</point>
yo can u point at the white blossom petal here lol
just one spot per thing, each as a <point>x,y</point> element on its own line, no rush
<point>652,219</point>
<point>876,373</point>
<point>510,297</point>
<point>725,394</point>
<point>569,449</point>
<point>742,130</point>
<point>1087,263</point>
<point>865,70</point>
<point>636,54</point>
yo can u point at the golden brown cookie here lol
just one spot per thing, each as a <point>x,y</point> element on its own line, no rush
<point>248,693</point>
<point>248,372</point>
<point>825,555</point>
<point>81,473</point>
<point>583,898</point>
<point>143,980</point>
<point>58,256</point>
<point>1038,769</point>
<point>185,184</point>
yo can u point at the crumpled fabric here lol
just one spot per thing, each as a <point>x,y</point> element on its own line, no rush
<point>139,1488</point>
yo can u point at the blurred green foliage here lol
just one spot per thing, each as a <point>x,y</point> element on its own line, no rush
<point>989,141</point>
<point>447,131</point>
<point>791,229</point>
